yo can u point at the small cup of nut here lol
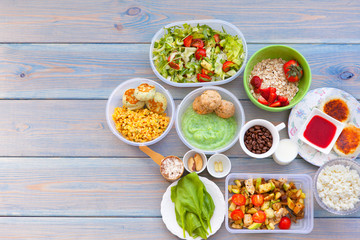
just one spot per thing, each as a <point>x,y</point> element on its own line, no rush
<point>259,138</point>
<point>195,161</point>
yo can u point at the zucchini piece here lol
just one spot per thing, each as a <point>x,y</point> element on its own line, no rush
<point>286,186</point>
<point>303,196</point>
<point>290,203</point>
<point>254,226</point>
<point>237,182</point>
<point>235,190</point>
<point>258,183</point>
<point>263,188</point>
<point>270,197</point>
<point>232,207</point>
<point>252,211</point>
<point>265,205</point>
<point>277,195</point>
<point>269,213</point>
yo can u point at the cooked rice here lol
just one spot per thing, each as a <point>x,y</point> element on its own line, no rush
<point>272,73</point>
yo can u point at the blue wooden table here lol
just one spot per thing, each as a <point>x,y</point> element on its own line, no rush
<point>64,175</point>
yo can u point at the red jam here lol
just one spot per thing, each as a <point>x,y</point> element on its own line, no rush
<point>320,131</point>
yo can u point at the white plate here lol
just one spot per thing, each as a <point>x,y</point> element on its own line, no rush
<point>301,111</point>
<point>168,209</point>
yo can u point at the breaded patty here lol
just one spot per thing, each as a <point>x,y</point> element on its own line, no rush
<point>348,143</point>
<point>199,108</point>
<point>210,99</point>
<point>336,108</point>
<point>158,104</point>
<point>226,109</point>
<point>130,101</point>
<point>145,92</point>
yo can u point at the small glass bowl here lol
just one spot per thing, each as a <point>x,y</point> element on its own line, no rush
<point>338,161</point>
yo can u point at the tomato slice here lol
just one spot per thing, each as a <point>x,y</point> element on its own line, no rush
<point>187,41</point>
<point>238,199</point>
<point>257,200</point>
<point>227,65</point>
<point>285,223</point>
<point>197,43</point>
<point>237,214</point>
<point>259,217</point>
<point>200,53</point>
<point>174,65</point>
<point>217,38</point>
<point>203,78</point>
<point>207,72</point>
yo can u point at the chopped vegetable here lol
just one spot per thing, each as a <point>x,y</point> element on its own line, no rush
<point>197,47</point>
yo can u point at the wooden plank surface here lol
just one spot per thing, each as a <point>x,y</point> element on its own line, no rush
<point>79,128</point>
<point>107,187</point>
<point>128,21</point>
<point>148,228</point>
<point>92,71</point>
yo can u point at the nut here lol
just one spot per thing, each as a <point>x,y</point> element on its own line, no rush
<point>198,162</point>
<point>191,164</point>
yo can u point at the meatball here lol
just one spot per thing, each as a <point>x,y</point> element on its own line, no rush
<point>226,109</point>
<point>199,108</point>
<point>210,99</point>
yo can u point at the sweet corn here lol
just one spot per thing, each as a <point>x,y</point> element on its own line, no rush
<point>140,125</point>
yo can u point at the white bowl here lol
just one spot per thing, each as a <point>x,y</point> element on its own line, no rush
<point>115,100</point>
<point>274,130</point>
<point>353,165</point>
<point>190,154</point>
<point>213,23</point>
<point>339,127</point>
<point>225,162</point>
<point>226,95</point>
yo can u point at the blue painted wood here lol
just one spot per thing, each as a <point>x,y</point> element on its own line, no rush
<point>108,187</point>
<point>148,228</point>
<point>88,71</point>
<point>122,21</point>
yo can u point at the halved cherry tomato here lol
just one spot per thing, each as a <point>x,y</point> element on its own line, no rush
<point>203,78</point>
<point>174,65</point>
<point>259,217</point>
<point>197,43</point>
<point>238,199</point>
<point>200,53</point>
<point>237,214</point>
<point>285,223</point>
<point>207,72</point>
<point>217,38</point>
<point>227,65</point>
<point>187,41</point>
<point>257,200</point>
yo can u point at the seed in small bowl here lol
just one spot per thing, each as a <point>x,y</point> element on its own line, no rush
<point>258,139</point>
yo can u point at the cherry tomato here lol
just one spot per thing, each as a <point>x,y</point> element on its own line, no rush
<point>238,199</point>
<point>174,65</point>
<point>207,72</point>
<point>217,38</point>
<point>200,53</point>
<point>227,65</point>
<point>285,223</point>
<point>257,200</point>
<point>237,214</point>
<point>187,41</point>
<point>259,217</point>
<point>203,78</point>
<point>293,71</point>
<point>197,43</point>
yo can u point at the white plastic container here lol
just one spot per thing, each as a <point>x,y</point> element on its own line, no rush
<point>303,181</point>
<point>226,95</point>
<point>213,23</point>
<point>115,100</point>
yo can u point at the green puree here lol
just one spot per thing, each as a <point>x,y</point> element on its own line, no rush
<point>207,132</point>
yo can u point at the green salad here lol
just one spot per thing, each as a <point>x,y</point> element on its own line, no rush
<point>190,54</point>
